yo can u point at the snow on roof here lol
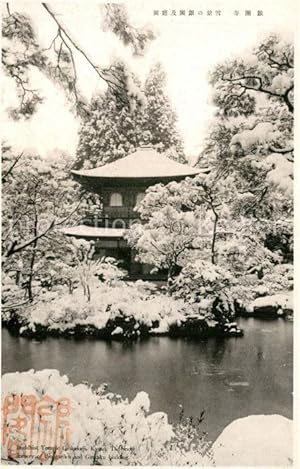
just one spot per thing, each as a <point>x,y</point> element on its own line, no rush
<point>145,162</point>
<point>93,232</point>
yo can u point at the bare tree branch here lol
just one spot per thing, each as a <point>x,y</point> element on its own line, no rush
<point>62,28</point>
<point>279,65</point>
<point>15,247</point>
<point>239,81</point>
<point>8,172</point>
<point>287,100</point>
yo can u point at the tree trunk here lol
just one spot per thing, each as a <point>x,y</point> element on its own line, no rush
<point>88,293</point>
<point>18,277</point>
<point>213,243</point>
<point>169,279</point>
<point>70,286</point>
<point>32,261</point>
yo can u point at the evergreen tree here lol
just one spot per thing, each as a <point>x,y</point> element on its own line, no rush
<point>108,133</point>
<point>111,130</point>
<point>161,119</point>
<point>250,142</point>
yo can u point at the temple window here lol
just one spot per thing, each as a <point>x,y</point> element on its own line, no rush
<point>116,200</point>
<point>139,197</point>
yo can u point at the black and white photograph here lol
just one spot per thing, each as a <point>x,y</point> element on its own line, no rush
<point>148,233</point>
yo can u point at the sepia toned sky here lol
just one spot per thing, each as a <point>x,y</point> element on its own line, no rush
<point>188,46</point>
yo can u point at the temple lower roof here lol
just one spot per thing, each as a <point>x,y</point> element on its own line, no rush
<point>93,232</point>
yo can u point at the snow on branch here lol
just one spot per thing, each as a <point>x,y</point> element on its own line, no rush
<point>115,86</point>
<point>22,52</point>
<point>267,70</point>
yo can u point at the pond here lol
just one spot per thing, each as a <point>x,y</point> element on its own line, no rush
<point>226,379</point>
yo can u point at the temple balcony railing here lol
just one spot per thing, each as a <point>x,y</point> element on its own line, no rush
<point>120,212</point>
<point>120,219</point>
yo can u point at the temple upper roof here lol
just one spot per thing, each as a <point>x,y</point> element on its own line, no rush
<point>145,162</point>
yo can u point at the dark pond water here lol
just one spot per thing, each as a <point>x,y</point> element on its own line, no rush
<point>227,379</point>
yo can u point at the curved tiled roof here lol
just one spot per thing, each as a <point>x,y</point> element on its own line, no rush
<point>145,162</point>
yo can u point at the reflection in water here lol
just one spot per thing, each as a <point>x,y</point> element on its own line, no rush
<point>227,379</point>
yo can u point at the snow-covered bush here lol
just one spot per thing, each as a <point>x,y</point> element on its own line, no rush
<point>281,277</point>
<point>207,284</point>
<point>133,305</point>
<point>104,429</point>
<point>270,445</point>
<point>280,238</point>
<point>11,292</point>
<point>128,311</point>
<point>278,278</point>
<point>83,268</point>
<point>201,279</point>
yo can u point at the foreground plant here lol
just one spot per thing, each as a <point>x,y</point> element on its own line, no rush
<point>97,427</point>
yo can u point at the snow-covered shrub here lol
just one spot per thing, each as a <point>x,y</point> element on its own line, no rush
<point>136,305</point>
<point>87,270</point>
<point>278,278</point>
<point>11,292</point>
<point>281,277</point>
<point>108,270</point>
<point>201,279</point>
<point>104,428</point>
<point>207,284</point>
<point>128,310</point>
<point>65,312</point>
<point>279,238</point>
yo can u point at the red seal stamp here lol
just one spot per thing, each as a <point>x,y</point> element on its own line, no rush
<point>34,428</point>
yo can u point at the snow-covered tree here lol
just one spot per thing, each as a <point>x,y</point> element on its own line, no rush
<point>80,266</point>
<point>116,20</point>
<point>161,119</point>
<point>165,238</point>
<point>254,96</point>
<point>38,197</point>
<point>266,71</point>
<point>209,285</point>
<point>200,222</point>
<point>200,280</point>
<point>180,222</point>
<point>251,140</point>
<point>38,194</point>
<point>112,130</point>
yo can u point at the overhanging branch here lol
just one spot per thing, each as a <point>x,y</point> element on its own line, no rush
<point>240,81</point>
<point>101,74</point>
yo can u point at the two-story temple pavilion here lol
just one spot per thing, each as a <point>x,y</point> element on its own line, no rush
<point>121,186</point>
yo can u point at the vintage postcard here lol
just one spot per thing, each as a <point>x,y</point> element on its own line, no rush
<point>147,233</point>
